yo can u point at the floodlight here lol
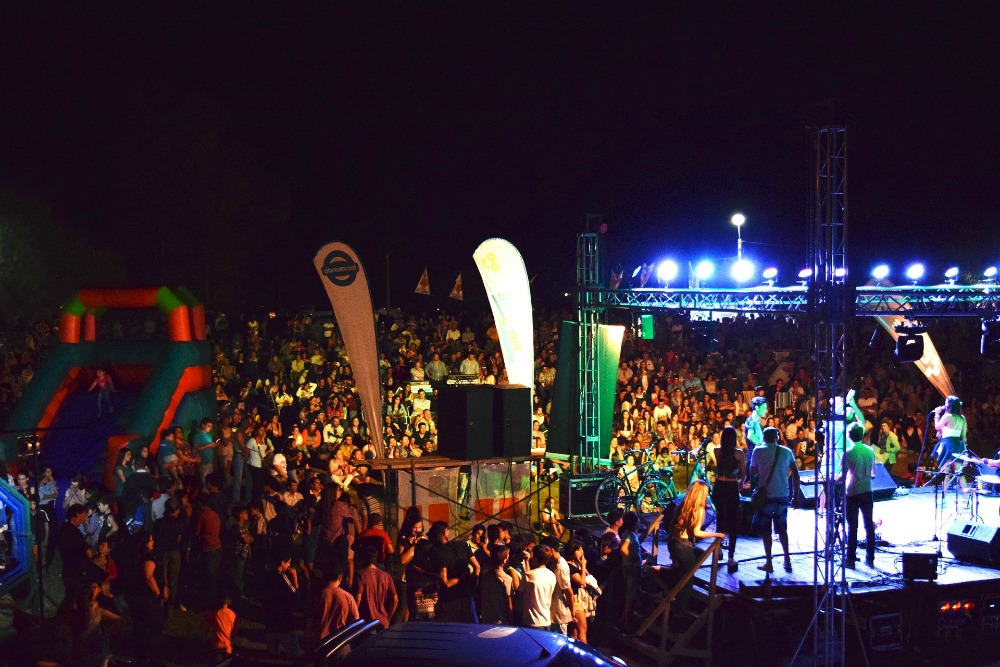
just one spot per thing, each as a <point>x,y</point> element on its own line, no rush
<point>739,219</point>
<point>915,272</point>
<point>770,274</point>
<point>704,270</point>
<point>742,270</point>
<point>990,347</point>
<point>990,272</point>
<point>805,274</point>
<point>910,343</point>
<point>666,271</point>
<point>880,272</point>
<point>951,273</point>
<point>840,273</point>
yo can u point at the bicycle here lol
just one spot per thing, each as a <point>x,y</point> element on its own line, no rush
<point>653,489</point>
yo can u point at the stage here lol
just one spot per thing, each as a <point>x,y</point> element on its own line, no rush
<point>895,619</point>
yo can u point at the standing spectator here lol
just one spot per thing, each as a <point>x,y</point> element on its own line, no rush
<point>73,547</point>
<point>496,588</point>
<point>221,621</point>
<point>332,608</point>
<point>538,586</point>
<point>374,590</point>
<point>206,531</point>
<point>561,609</point>
<point>206,448</point>
<point>168,532</point>
<point>145,601</point>
<point>282,587</point>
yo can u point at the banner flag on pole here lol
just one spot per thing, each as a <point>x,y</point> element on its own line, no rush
<point>346,285</point>
<point>456,291</point>
<point>424,286</point>
<point>506,282</point>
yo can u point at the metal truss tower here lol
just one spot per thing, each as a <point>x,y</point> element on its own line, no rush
<point>829,308</point>
<point>588,311</point>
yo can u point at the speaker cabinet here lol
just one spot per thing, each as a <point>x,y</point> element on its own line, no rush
<point>807,488</point>
<point>465,422</point>
<point>882,485</point>
<point>578,495</point>
<point>512,421</point>
<point>975,541</point>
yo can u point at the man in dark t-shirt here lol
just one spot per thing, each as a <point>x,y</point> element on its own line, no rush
<point>456,568</point>
<point>73,547</point>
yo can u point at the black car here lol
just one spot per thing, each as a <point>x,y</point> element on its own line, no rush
<point>454,645</point>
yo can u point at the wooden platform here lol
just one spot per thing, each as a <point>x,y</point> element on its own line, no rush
<point>907,524</point>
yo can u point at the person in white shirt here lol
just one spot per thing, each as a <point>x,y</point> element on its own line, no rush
<point>421,403</point>
<point>537,586</point>
<point>561,610</point>
<point>857,469</point>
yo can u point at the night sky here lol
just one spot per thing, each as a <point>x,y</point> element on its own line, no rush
<point>220,147</point>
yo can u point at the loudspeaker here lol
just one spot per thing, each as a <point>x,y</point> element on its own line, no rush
<point>807,488</point>
<point>975,541</point>
<point>882,484</point>
<point>578,495</point>
<point>465,422</point>
<point>512,421</point>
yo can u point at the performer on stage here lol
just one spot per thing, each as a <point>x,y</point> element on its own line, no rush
<point>838,442</point>
<point>950,423</point>
<point>753,429</point>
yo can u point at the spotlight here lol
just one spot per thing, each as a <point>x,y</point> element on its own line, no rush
<point>990,273</point>
<point>770,274</point>
<point>637,270</point>
<point>910,344</point>
<point>805,274</point>
<point>915,272</point>
<point>704,270</point>
<point>739,219</point>
<point>666,271</point>
<point>840,273</point>
<point>742,270</point>
<point>880,272</point>
<point>951,274</point>
<point>990,347</point>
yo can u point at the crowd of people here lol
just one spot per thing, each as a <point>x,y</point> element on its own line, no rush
<point>275,503</point>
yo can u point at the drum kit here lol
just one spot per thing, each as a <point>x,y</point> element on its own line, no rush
<point>986,482</point>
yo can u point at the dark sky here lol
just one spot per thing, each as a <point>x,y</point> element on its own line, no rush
<point>221,147</point>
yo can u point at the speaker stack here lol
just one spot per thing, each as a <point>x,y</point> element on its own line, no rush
<point>478,422</point>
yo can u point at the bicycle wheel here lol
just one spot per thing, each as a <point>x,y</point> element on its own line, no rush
<point>653,496</point>
<point>611,494</point>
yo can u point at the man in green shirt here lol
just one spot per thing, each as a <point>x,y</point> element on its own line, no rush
<point>205,446</point>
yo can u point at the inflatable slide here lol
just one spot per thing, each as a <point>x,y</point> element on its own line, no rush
<point>157,383</point>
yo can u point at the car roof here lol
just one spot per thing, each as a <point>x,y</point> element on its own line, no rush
<point>459,644</point>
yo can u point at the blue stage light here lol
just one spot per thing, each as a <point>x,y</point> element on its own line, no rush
<point>805,274</point>
<point>742,270</point>
<point>840,273</point>
<point>770,274</point>
<point>704,270</point>
<point>880,272</point>
<point>637,270</point>
<point>951,273</point>
<point>915,272</point>
<point>666,271</point>
<point>990,272</point>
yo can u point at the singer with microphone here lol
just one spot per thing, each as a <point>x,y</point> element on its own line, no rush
<point>951,424</point>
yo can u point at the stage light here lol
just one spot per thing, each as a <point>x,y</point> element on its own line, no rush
<point>770,273</point>
<point>910,343</point>
<point>915,272</point>
<point>840,273</point>
<point>742,270</point>
<point>990,273</point>
<point>990,346</point>
<point>666,271</point>
<point>704,270</point>
<point>880,272</point>
<point>805,274</point>
<point>739,219</point>
<point>637,270</point>
<point>951,273</point>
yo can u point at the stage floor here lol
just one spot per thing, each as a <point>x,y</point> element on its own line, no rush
<point>907,524</point>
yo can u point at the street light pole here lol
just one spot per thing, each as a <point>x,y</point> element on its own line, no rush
<point>738,220</point>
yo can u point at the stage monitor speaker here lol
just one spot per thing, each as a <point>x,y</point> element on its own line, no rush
<point>512,421</point>
<point>919,566</point>
<point>578,495</point>
<point>807,488</point>
<point>975,542</point>
<point>883,487</point>
<point>465,422</point>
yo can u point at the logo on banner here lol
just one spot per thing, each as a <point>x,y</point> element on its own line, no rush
<point>340,269</point>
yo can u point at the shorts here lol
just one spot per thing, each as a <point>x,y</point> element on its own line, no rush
<point>170,459</point>
<point>774,514</point>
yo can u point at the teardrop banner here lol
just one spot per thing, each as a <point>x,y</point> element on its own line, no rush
<point>346,285</point>
<point>506,281</point>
